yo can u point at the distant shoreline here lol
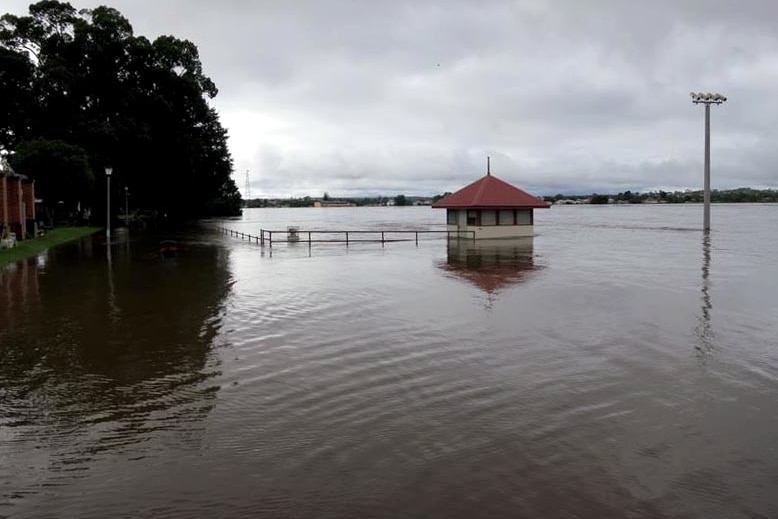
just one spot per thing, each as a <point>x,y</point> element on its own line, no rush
<point>735,196</point>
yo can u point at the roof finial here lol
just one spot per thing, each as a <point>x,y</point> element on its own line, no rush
<point>488,169</point>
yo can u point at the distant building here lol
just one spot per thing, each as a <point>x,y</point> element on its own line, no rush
<point>332,203</point>
<point>17,203</point>
<point>490,208</point>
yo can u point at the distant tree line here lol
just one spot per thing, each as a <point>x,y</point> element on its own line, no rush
<point>307,201</point>
<point>739,195</point>
<point>81,92</point>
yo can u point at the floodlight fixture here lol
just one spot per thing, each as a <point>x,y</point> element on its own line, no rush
<point>707,99</point>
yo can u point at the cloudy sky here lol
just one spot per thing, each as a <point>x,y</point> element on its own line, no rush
<point>393,96</point>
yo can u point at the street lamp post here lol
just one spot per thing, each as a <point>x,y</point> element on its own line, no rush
<point>108,172</point>
<point>127,206</point>
<point>707,99</point>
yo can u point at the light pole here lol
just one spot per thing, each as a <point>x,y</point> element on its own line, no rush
<point>127,206</point>
<point>707,99</point>
<point>108,171</point>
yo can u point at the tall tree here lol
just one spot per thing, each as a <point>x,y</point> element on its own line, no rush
<point>82,78</point>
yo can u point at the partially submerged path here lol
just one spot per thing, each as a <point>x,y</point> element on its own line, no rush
<point>28,248</point>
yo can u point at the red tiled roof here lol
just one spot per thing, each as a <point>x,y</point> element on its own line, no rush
<point>490,191</point>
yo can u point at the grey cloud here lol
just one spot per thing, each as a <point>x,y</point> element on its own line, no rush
<point>355,97</point>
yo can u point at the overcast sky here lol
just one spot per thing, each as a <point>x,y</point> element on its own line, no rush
<point>392,96</point>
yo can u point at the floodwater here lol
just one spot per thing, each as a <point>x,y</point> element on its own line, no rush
<point>621,364</point>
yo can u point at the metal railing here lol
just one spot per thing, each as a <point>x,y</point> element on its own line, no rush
<point>267,236</point>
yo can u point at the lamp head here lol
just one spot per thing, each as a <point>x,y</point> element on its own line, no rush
<point>108,171</point>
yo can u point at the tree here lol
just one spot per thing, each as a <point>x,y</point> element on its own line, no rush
<point>84,79</point>
<point>16,91</point>
<point>227,203</point>
<point>400,200</point>
<point>60,170</point>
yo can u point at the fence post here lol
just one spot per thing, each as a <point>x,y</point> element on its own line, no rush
<point>417,238</point>
<point>382,238</point>
<point>346,238</point>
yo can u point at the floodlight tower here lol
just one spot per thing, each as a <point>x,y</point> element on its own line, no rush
<point>707,99</point>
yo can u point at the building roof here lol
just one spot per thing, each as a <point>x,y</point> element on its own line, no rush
<point>490,192</point>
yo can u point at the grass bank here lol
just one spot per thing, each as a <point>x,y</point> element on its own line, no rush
<point>28,248</point>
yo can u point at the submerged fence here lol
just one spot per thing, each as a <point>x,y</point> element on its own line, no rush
<point>294,235</point>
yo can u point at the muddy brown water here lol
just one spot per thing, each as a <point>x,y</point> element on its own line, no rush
<point>621,364</point>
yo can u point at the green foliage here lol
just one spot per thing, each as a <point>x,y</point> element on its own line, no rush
<point>400,200</point>
<point>16,79</point>
<point>300,202</point>
<point>83,78</point>
<point>61,171</point>
<point>227,203</point>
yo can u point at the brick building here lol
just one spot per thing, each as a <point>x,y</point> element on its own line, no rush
<point>17,203</point>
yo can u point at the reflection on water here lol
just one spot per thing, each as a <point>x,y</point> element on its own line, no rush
<point>114,310</point>
<point>704,331</point>
<point>102,350</point>
<point>20,291</point>
<point>490,265</point>
<point>365,382</point>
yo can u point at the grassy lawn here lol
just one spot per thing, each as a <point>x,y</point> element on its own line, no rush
<point>27,248</point>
